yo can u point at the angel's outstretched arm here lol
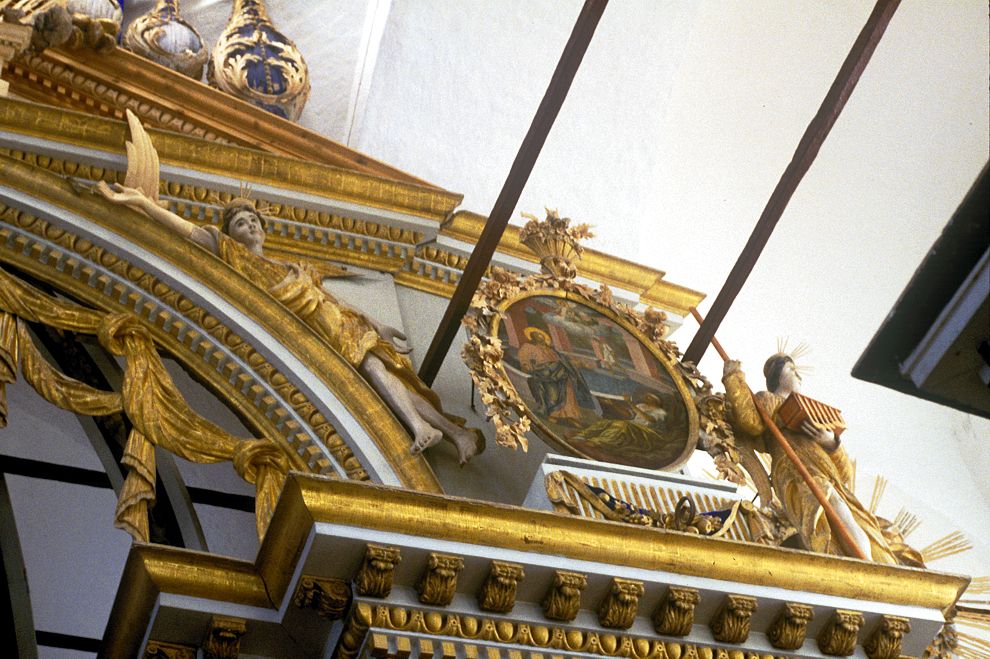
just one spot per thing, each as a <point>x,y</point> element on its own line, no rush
<point>134,198</point>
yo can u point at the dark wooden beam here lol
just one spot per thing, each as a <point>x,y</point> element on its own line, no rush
<point>554,97</point>
<point>807,150</point>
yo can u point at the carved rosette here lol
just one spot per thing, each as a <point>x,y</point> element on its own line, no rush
<point>328,597</point>
<point>675,613</point>
<point>257,63</point>
<point>498,592</point>
<point>731,623</point>
<point>374,577</point>
<point>885,641</point>
<point>439,581</point>
<point>788,631</point>
<point>563,600</point>
<point>223,640</point>
<point>838,636</point>
<point>166,38</point>
<point>619,607</point>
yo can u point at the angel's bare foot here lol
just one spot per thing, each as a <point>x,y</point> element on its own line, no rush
<point>469,442</point>
<point>425,437</point>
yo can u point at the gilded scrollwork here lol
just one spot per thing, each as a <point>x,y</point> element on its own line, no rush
<point>374,577</point>
<point>328,597</point>
<point>148,35</point>
<point>498,592</point>
<point>162,650</point>
<point>620,605</point>
<point>838,636</point>
<point>257,63</point>
<point>885,641</point>
<point>732,621</point>
<point>223,640</point>
<point>789,629</point>
<point>438,583</point>
<point>674,615</point>
<point>566,491</point>
<point>563,599</point>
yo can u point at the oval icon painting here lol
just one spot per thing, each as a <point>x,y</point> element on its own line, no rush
<point>592,387</point>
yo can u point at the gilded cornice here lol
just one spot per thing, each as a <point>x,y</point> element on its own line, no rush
<point>106,84</point>
<point>236,162</point>
<point>597,266</point>
<point>492,525</point>
<point>346,384</point>
<point>308,500</point>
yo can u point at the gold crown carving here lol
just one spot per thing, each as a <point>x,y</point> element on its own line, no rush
<point>555,242</point>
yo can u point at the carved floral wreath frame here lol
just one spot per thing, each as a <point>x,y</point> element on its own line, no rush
<point>558,246</point>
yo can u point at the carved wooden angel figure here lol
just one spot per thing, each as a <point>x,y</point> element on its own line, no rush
<point>818,448</point>
<point>366,344</point>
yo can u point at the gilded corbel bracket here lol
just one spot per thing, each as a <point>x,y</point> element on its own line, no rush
<point>223,641</point>
<point>439,581</point>
<point>329,597</point>
<point>374,578</point>
<point>790,628</point>
<point>563,600</point>
<point>885,641</point>
<point>159,650</point>
<point>619,607</point>
<point>838,637</point>
<point>675,613</point>
<point>731,623</point>
<point>498,592</point>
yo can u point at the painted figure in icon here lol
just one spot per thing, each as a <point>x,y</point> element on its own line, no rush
<point>552,379</point>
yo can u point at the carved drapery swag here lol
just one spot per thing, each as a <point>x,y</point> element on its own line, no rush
<point>158,413</point>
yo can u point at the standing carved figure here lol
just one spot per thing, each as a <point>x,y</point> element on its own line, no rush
<point>818,449</point>
<point>366,344</point>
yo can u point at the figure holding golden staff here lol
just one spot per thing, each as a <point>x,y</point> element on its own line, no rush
<point>818,449</point>
<point>366,344</point>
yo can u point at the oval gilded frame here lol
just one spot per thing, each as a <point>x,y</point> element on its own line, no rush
<point>681,386</point>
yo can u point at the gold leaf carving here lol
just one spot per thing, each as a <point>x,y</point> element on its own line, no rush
<point>162,650</point>
<point>563,600</point>
<point>675,613</point>
<point>59,389</point>
<point>439,580</point>
<point>731,623</point>
<point>885,641</point>
<point>374,578</point>
<point>498,592</point>
<point>619,607</point>
<point>9,359</point>
<point>541,638</point>
<point>223,640</point>
<point>838,636</point>
<point>788,631</point>
<point>329,597</point>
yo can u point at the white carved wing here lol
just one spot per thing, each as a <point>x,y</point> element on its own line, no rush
<point>142,160</point>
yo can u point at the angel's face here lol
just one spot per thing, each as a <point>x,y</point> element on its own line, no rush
<point>246,228</point>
